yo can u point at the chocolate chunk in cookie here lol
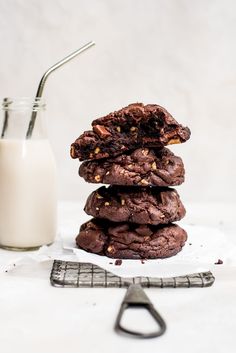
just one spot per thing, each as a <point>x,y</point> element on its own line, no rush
<point>129,240</point>
<point>129,128</point>
<point>143,167</point>
<point>135,204</point>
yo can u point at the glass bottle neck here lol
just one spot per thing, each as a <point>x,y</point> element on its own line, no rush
<point>16,117</point>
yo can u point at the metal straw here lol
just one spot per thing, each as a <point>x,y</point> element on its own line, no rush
<point>44,78</point>
<point>5,121</point>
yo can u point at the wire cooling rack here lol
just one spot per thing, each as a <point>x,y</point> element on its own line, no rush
<point>86,275</point>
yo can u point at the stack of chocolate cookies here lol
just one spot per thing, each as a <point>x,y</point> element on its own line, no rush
<point>132,216</point>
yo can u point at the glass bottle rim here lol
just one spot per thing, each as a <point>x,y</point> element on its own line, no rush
<point>23,104</point>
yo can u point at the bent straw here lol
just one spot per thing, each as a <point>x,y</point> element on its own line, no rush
<point>6,103</point>
<point>44,78</point>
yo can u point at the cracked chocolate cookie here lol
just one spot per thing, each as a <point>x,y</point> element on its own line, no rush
<point>143,167</point>
<point>129,128</point>
<point>129,240</point>
<point>136,205</point>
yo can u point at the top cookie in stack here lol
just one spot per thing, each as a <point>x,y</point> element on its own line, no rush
<point>132,217</point>
<point>131,127</point>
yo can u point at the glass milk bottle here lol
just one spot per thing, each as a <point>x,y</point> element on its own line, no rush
<point>28,190</point>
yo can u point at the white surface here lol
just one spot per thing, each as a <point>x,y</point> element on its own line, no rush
<point>35,317</point>
<point>180,54</point>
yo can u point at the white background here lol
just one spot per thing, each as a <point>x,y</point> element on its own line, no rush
<point>177,53</point>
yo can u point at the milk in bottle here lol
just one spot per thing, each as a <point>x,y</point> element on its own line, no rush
<point>28,190</point>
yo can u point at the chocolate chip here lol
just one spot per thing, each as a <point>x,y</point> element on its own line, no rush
<point>101,131</point>
<point>219,262</point>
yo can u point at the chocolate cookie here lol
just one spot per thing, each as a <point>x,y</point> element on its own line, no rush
<point>135,204</point>
<point>129,240</point>
<point>144,167</point>
<point>131,127</point>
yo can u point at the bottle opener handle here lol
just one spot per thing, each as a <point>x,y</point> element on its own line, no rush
<point>136,297</point>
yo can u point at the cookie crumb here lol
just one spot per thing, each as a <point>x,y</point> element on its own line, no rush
<point>118,262</point>
<point>189,243</point>
<point>110,263</point>
<point>142,261</point>
<point>219,262</point>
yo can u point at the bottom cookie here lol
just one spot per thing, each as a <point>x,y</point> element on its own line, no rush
<point>129,240</point>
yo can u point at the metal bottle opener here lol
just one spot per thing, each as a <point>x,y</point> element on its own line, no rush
<point>136,297</point>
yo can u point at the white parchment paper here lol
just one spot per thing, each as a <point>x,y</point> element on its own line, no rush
<point>205,245</point>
